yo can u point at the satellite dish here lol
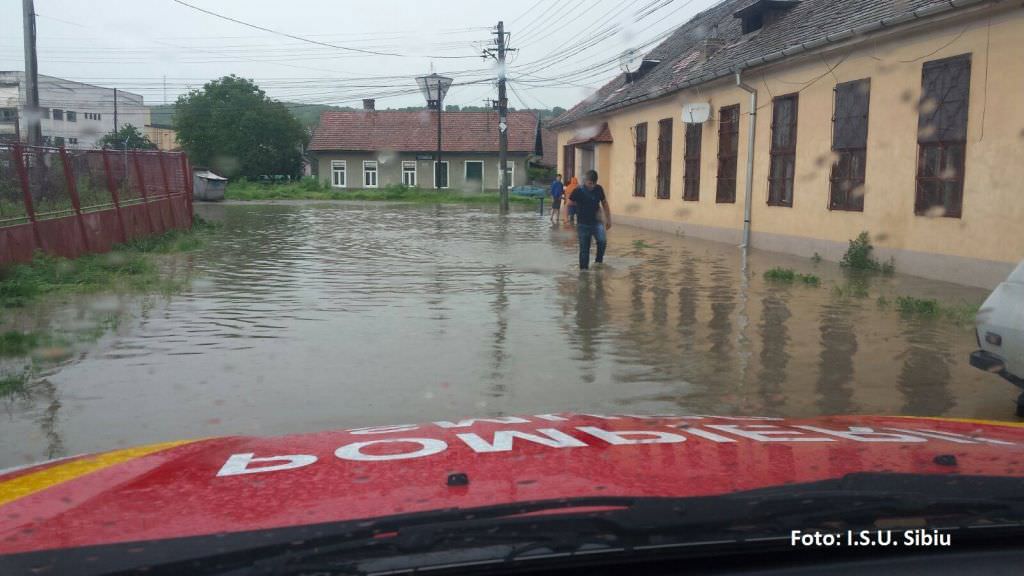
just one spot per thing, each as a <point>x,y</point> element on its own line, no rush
<point>629,60</point>
<point>696,112</point>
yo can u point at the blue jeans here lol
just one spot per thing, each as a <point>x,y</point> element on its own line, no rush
<point>584,232</point>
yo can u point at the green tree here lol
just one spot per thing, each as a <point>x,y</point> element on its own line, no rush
<point>232,126</point>
<point>127,137</point>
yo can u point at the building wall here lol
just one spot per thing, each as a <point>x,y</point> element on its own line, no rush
<point>164,138</point>
<point>978,248</point>
<point>66,95</point>
<point>389,168</point>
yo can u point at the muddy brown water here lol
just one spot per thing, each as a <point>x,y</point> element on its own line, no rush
<point>312,316</point>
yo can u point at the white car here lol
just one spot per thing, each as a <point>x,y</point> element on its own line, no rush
<point>1000,327</point>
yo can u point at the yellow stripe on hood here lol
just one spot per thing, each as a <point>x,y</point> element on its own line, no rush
<point>33,482</point>
<point>964,420</point>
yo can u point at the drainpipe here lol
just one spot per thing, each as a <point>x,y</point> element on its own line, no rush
<point>749,191</point>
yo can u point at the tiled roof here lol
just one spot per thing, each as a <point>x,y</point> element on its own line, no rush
<point>807,25</point>
<point>549,144</point>
<point>371,130</point>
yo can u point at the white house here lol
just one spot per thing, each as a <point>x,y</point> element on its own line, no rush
<point>74,114</point>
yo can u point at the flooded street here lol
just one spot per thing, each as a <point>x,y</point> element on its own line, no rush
<point>311,316</point>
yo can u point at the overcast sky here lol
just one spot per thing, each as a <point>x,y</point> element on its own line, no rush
<point>134,44</point>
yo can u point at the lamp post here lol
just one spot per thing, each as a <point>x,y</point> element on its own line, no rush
<point>434,87</point>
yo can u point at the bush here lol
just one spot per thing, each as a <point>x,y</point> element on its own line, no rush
<point>918,306</point>
<point>780,274</point>
<point>858,257</point>
<point>311,184</point>
<point>788,275</point>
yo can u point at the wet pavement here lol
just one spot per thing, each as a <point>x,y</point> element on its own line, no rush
<point>311,316</point>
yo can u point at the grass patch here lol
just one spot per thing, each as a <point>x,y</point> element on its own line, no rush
<point>858,257</point>
<point>14,343</point>
<point>788,275</point>
<point>854,289</point>
<point>962,313</point>
<point>13,383</point>
<point>918,306</point>
<point>128,267</point>
<point>312,190</point>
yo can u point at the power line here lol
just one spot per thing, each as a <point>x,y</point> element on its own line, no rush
<point>310,40</point>
<point>525,12</point>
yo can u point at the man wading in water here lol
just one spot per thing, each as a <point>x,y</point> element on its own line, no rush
<point>590,202</point>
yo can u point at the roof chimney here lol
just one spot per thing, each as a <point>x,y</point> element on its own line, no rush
<point>712,43</point>
<point>369,104</point>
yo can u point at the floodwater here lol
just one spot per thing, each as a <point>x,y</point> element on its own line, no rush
<point>311,316</point>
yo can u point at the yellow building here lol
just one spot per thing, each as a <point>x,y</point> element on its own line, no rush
<point>899,118</point>
<point>165,137</point>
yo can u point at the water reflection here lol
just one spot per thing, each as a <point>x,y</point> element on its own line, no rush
<point>835,361</point>
<point>500,309</point>
<point>925,374</point>
<point>318,316</point>
<point>590,310</point>
<point>774,355</point>
<point>722,298</point>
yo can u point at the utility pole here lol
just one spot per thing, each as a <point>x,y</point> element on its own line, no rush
<point>165,89</point>
<point>115,110</point>
<point>502,119</point>
<point>502,106</point>
<point>35,131</point>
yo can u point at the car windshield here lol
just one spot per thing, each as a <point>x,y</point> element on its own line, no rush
<point>417,257</point>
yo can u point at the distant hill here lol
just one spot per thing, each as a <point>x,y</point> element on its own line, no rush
<point>307,114</point>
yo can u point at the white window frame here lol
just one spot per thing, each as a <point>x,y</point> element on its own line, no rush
<point>375,172</point>
<point>483,171</point>
<point>335,165</point>
<point>447,172</point>
<point>512,173</point>
<point>405,165</point>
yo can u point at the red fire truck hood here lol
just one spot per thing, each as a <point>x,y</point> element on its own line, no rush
<point>239,484</point>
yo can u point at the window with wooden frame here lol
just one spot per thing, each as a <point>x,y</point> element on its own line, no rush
<point>691,162</point>
<point>783,151</point>
<point>664,158</point>
<point>942,136</point>
<point>339,178</point>
<point>728,152</point>
<point>850,145</point>
<point>409,173</point>
<point>510,172</point>
<point>640,160</point>
<point>369,173</point>
<point>568,161</point>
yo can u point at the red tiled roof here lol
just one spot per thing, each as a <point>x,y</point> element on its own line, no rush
<point>368,130</point>
<point>549,142</point>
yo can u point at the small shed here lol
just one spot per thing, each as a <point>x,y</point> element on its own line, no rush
<point>208,186</point>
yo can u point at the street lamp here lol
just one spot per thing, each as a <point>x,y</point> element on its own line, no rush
<point>434,87</point>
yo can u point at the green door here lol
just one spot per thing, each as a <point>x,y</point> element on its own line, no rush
<point>474,175</point>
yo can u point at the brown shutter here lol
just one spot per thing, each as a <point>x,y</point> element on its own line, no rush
<point>664,157</point>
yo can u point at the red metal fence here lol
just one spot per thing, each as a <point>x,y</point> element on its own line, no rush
<point>71,202</point>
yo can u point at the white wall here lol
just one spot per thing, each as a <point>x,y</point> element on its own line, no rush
<point>66,95</point>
